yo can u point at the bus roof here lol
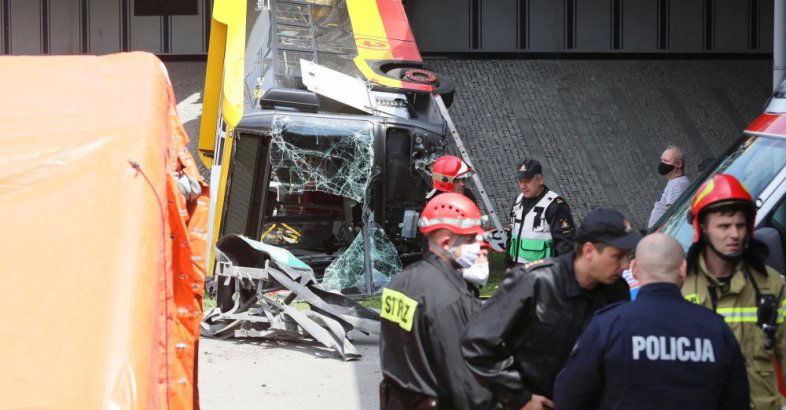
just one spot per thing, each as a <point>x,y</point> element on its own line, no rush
<point>256,46</point>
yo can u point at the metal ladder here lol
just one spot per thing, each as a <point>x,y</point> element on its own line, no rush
<point>497,239</point>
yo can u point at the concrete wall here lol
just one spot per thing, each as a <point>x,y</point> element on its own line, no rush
<point>514,26</point>
<point>599,126</point>
<point>97,27</point>
<point>581,26</point>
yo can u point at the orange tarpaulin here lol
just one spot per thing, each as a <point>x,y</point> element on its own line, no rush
<point>102,254</point>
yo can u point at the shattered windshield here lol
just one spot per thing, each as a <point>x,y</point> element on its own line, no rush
<point>333,156</point>
<point>348,271</point>
<point>320,169</point>
<point>755,162</point>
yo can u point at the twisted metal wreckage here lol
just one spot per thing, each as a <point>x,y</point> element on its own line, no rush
<point>322,159</point>
<point>249,273</point>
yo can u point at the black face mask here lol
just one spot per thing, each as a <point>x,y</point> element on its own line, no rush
<point>664,168</point>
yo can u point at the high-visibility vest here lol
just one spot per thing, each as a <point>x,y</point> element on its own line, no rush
<point>530,238</point>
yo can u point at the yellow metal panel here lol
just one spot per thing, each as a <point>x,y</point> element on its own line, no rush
<point>224,75</point>
<point>233,14</point>
<point>212,92</point>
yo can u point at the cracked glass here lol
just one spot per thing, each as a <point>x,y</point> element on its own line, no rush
<point>329,155</point>
<point>348,271</point>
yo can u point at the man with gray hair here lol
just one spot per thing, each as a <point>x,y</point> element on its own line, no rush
<point>672,166</point>
<point>659,351</point>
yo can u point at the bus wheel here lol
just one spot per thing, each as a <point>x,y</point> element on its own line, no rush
<point>443,85</point>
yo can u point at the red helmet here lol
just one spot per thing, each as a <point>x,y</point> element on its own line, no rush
<point>451,211</point>
<point>447,168</point>
<point>722,189</point>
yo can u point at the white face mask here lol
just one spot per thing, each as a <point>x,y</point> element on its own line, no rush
<point>468,254</point>
<point>477,274</point>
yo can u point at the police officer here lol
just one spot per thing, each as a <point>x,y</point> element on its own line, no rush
<point>521,337</point>
<point>541,222</point>
<point>449,174</point>
<point>659,351</point>
<point>424,310</point>
<point>727,273</point>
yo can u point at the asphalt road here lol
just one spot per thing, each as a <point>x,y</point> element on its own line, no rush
<point>253,374</point>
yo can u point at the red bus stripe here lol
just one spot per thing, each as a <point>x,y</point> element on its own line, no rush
<point>400,37</point>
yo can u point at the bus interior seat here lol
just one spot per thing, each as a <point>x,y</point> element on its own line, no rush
<point>772,238</point>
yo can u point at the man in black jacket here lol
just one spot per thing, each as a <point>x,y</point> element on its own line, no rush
<point>659,351</point>
<point>424,310</point>
<point>520,339</point>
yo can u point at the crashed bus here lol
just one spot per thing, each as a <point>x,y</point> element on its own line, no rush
<point>301,169</point>
<point>319,124</point>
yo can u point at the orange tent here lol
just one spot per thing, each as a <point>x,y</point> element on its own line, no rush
<point>102,277</point>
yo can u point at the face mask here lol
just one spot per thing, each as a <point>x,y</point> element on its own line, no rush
<point>468,254</point>
<point>465,255</point>
<point>477,274</point>
<point>664,169</point>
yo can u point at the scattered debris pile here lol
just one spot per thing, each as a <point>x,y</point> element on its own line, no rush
<point>249,274</point>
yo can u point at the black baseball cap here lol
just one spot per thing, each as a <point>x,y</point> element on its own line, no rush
<point>529,168</point>
<point>610,227</point>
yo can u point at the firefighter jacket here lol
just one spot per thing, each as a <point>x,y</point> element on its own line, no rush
<point>638,355</point>
<point>424,310</point>
<point>541,227</point>
<point>523,335</point>
<point>736,302</point>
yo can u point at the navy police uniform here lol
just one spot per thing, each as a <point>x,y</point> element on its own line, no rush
<point>657,352</point>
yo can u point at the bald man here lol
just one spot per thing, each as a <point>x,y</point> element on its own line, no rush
<point>658,351</point>
<point>671,166</point>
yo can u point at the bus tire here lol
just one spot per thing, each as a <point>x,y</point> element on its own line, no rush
<point>446,88</point>
<point>443,85</point>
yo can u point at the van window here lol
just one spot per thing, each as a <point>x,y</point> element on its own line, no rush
<point>755,162</point>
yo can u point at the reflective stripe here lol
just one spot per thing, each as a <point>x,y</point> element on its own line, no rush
<point>540,236</point>
<point>693,298</point>
<point>739,314</point>
<point>461,223</point>
<point>436,176</point>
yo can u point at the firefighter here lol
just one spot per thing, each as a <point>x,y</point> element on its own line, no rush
<point>517,343</point>
<point>449,174</point>
<point>424,310</point>
<point>541,222</point>
<point>634,354</point>
<point>727,273</point>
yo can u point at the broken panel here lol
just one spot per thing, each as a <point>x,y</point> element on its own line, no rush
<point>290,13</point>
<point>294,36</point>
<point>329,155</point>
<point>348,271</point>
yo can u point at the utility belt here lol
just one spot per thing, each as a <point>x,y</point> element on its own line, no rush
<point>394,397</point>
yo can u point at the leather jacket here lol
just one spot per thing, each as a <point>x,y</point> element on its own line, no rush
<point>521,338</point>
